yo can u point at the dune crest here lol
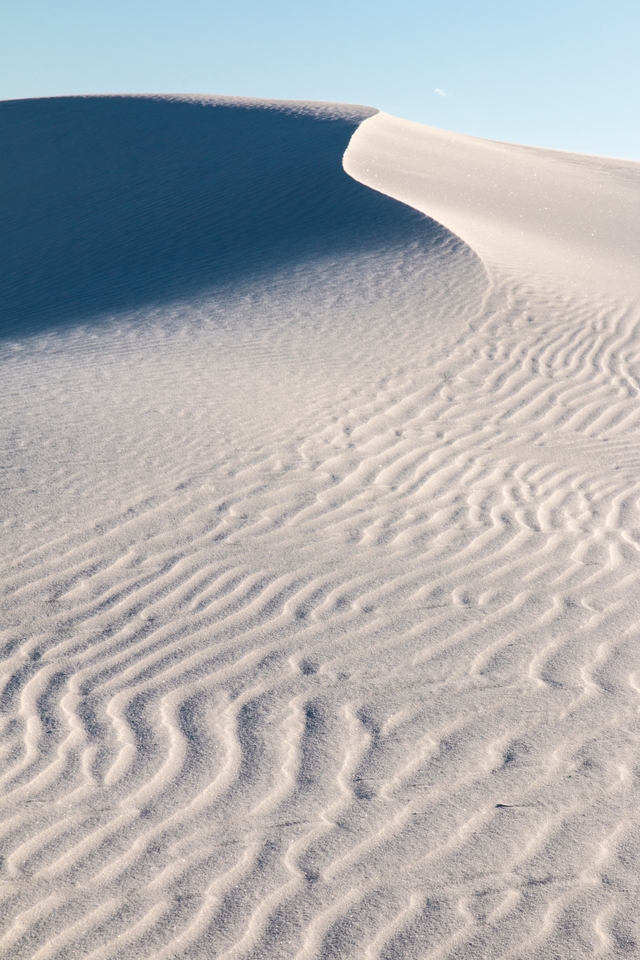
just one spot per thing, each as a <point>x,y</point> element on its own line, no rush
<point>542,213</point>
<point>320,538</point>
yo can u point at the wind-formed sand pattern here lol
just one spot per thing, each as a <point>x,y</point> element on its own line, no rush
<point>321,537</point>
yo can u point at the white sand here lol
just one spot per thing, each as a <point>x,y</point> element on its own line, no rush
<point>321,537</point>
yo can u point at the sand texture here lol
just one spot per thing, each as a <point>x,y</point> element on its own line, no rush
<point>320,554</point>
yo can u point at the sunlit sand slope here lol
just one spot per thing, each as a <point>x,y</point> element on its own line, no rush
<point>541,213</point>
<point>321,541</point>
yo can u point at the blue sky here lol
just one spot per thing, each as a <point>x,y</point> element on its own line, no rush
<point>561,74</point>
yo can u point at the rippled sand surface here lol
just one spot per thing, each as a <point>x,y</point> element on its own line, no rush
<point>320,553</point>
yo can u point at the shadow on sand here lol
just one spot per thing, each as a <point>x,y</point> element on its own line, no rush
<point>113,203</point>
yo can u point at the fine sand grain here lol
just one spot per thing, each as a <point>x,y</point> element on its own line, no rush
<point>320,556</point>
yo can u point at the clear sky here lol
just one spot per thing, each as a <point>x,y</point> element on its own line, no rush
<point>552,73</point>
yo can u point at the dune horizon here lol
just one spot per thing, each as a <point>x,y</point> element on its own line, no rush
<point>321,534</point>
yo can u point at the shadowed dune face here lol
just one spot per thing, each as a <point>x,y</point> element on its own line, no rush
<point>113,203</point>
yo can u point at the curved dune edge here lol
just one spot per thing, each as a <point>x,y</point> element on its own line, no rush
<point>319,600</point>
<point>567,218</point>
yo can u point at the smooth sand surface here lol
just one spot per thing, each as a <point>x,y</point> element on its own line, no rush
<point>320,537</point>
<point>566,216</point>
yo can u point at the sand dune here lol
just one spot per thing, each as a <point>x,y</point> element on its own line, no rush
<point>321,537</point>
